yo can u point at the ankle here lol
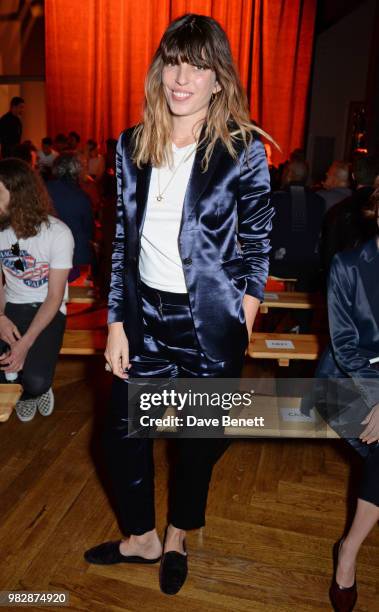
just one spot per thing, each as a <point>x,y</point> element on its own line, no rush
<point>145,539</point>
<point>175,532</point>
<point>349,548</point>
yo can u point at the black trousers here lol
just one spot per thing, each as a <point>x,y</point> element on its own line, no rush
<point>171,350</point>
<point>369,488</point>
<point>39,367</point>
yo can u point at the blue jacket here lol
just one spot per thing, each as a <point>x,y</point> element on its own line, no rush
<point>223,243</point>
<point>73,207</point>
<point>353,306</point>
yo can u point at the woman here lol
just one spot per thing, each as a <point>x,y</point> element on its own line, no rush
<point>353,304</point>
<point>186,282</point>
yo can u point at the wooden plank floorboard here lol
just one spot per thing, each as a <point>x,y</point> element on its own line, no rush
<point>275,509</point>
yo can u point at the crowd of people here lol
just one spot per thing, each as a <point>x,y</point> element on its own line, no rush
<point>82,186</point>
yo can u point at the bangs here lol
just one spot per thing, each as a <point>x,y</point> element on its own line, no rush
<point>190,46</point>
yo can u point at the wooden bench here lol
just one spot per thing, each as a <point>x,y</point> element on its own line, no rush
<point>84,342</point>
<point>291,300</point>
<point>305,347</point>
<point>81,295</point>
<point>75,342</point>
<point>9,394</point>
<point>281,419</point>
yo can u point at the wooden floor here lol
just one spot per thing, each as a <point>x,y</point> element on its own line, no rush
<point>275,509</point>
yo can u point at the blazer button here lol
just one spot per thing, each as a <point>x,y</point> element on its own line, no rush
<point>187,261</point>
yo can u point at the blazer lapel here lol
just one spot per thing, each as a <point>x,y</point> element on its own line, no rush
<point>142,191</point>
<point>199,180</point>
<point>197,183</point>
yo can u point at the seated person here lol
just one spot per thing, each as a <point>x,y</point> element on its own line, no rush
<point>296,229</point>
<point>95,161</point>
<point>342,226</point>
<point>45,157</point>
<point>35,257</point>
<point>336,186</point>
<point>73,207</point>
<point>353,307</point>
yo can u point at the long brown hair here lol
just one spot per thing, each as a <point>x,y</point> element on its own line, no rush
<point>29,204</point>
<point>200,41</point>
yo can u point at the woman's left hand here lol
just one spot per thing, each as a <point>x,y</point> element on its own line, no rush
<point>13,360</point>
<point>371,432</point>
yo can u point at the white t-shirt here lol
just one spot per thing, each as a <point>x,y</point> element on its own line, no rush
<point>52,247</point>
<point>46,161</point>
<point>160,264</point>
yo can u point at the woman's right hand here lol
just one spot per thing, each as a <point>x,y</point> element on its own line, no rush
<point>8,331</point>
<point>117,350</point>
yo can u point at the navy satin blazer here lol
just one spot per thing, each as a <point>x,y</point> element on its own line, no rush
<point>353,305</point>
<point>223,243</point>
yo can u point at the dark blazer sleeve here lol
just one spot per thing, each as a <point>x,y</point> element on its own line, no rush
<point>117,287</point>
<point>254,217</point>
<point>345,334</point>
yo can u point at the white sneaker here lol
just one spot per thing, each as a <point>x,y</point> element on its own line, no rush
<point>26,409</point>
<point>45,403</point>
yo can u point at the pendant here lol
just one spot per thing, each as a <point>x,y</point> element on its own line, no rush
<point>159,198</point>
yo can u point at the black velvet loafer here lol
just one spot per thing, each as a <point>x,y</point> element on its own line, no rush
<point>108,553</point>
<point>173,572</point>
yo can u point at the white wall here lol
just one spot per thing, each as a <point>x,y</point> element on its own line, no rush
<point>34,119</point>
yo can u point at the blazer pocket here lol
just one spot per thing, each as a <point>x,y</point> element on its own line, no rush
<point>235,268</point>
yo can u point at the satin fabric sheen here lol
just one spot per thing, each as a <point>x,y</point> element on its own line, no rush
<point>353,307</point>
<point>223,244</point>
<point>170,350</point>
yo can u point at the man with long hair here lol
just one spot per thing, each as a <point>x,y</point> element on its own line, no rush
<point>35,256</point>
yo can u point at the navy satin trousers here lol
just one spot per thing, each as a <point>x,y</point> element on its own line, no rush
<point>171,350</point>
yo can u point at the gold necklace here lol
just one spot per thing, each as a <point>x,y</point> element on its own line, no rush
<point>184,159</point>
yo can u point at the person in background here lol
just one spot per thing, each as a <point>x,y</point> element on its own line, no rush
<point>297,155</point>
<point>33,152</point>
<point>109,184</point>
<point>295,236</point>
<point>73,207</point>
<point>353,308</point>
<point>95,161</point>
<point>336,186</point>
<point>11,127</point>
<point>342,226</point>
<point>24,151</point>
<point>73,142</point>
<point>60,143</point>
<point>35,257</point>
<point>45,157</point>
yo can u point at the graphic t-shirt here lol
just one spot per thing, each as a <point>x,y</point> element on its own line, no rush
<point>52,248</point>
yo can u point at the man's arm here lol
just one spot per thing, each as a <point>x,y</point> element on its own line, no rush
<point>50,307</point>
<point>9,332</point>
<point>2,294</point>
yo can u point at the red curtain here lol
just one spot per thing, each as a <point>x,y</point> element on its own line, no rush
<point>98,51</point>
